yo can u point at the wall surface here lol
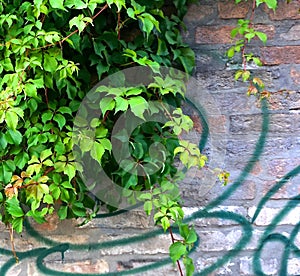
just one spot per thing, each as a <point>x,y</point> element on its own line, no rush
<point>251,226</point>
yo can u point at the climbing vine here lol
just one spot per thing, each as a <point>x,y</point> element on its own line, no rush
<point>52,53</point>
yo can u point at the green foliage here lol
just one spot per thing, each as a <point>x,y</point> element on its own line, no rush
<point>243,34</point>
<point>51,54</point>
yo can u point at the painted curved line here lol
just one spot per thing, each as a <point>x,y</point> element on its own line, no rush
<point>256,257</point>
<point>218,214</point>
<point>254,158</point>
<point>290,247</point>
<point>246,226</point>
<point>21,255</point>
<point>245,239</point>
<point>274,189</point>
<point>64,247</point>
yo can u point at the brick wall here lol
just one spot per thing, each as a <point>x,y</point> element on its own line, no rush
<point>257,143</point>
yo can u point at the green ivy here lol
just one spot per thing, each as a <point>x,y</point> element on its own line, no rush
<point>51,54</point>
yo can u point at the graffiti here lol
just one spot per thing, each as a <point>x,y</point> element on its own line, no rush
<point>269,235</point>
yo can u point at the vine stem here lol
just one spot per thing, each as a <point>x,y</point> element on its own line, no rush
<point>173,240</point>
<point>11,235</point>
<point>87,23</point>
<point>251,24</point>
<point>74,32</point>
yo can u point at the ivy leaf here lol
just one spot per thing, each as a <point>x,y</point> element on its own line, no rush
<point>13,207</point>
<point>80,22</point>
<point>13,137</point>
<point>21,159</point>
<point>3,141</point>
<point>132,181</point>
<point>60,119</point>
<point>11,119</point>
<point>187,58</point>
<point>65,109</point>
<point>262,36</point>
<point>70,171</point>
<point>48,199</point>
<point>45,154</point>
<point>165,223</point>
<point>192,236</point>
<point>148,207</point>
<point>138,106</point>
<point>62,212</point>
<point>47,116</point>
<point>272,4</point>
<point>78,209</point>
<point>189,266</point>
<point>118,3</point>
<point>57,4</point>
<point>50,63</point>
<point>106,104</point>
<point>97,152</point>
<point>78,4</point>
<point>230,52</point>
<point>17,224</point>
<point>177,250</point>
<point>121,104</point>
<point>98,47</point>
<point>30,90</point>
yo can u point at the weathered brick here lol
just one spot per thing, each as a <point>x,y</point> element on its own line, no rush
<point>211,222</point>
<point>228,9</point>
<point>269,267</point>
<point>293,266</point>
<point>267,214</point>
<point>284,11</point>
<point>292,34</point>
<point>246,266</point>
<point>278,167</point>
<point>215,241</point>
<point>221,34</point>
<point>245,124</point>
<point>152,246</point>
<point>213,35</point>
<point>247,191</point>
<point>279,123</point>
<point>285,192</point>
<point>279,101</point>
<point>132,219</point>
<point>170,270</point>
<point>295,74</point>
<point>198,13</point>
<point>280,55</point>
<point>226,269</point>
<point>83,266</point>
<point>231,103</point>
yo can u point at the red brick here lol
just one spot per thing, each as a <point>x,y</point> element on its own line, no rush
<point>285,11</point>
<point>280,167</point>
<point>87,266</point>
<point>287,191</point>
<point>280,55</point>
<point>213,35</point>
<point>221,35</point>
<point>269,30</point>
<point>228,9</point>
